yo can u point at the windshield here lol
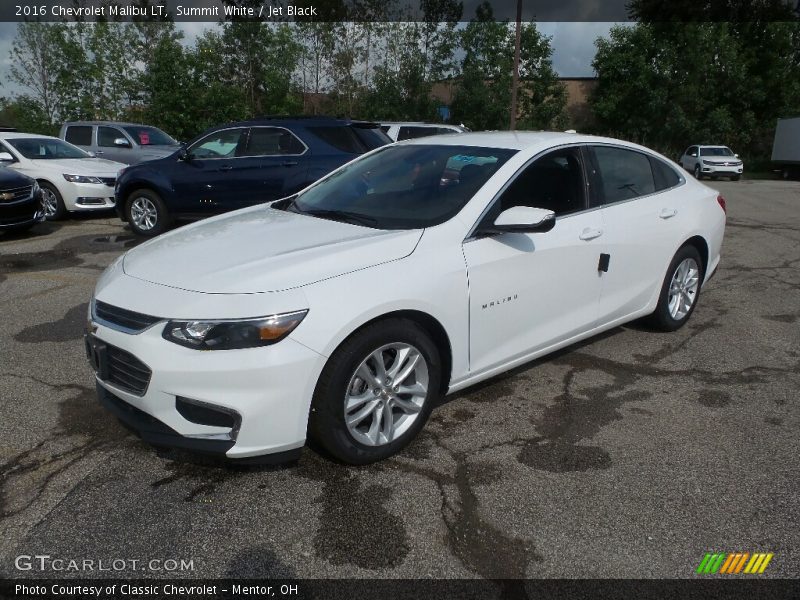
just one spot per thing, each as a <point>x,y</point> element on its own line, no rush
<point>716,151</point>
<point>404,187</point>
<point>46,148</point>
<point>149,136</point>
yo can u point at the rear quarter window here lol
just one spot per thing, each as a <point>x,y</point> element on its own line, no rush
<point>80,135</point>
<point>664,175</point>
<point>351,139</point>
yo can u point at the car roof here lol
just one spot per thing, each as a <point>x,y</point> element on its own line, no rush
<point>293,120</point>
<point>17,134</point>
<point>120,123</point>
<point>517,140</point>
<point>419,123</point>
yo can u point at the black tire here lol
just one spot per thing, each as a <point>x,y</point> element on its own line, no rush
<point>698,174</point>
<point>327,427</point>
<point>736,178</point>
<point>662,318</point>
<point>60,210</point>
<point>148,199</point>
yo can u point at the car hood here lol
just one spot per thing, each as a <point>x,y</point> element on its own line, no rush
<point>82,166</point>
<point>155,152</point>
<point>720,159</point>
<point>260,249</point>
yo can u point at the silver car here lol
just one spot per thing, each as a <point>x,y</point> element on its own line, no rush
<point>712,161</point>
<point>128,143</point>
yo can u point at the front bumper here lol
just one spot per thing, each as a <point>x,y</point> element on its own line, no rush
<point>89,196</point>
<point>266,390</point>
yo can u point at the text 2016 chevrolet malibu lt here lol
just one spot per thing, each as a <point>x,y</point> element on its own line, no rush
<point>343,312</point>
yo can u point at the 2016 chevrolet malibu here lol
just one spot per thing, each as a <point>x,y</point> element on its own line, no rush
<point>420,269</point>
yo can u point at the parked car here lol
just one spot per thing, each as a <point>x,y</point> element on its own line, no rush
<point>399,131</point>
<point>20,201</point>
<point>128,143</point>
<point>237,165</point>
<point>71,179</point>
<point>712,161</point>
<point>786,147</point>
<point>419,269</point>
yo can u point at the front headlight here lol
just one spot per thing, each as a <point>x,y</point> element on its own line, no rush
<point>82,179</point>
<point>706,162</point>
<point>229,334</point>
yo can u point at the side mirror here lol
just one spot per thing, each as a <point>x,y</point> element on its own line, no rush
<point>693,154</point>
<point>736,155</point>
<point>91,154</point>
<point>6,157</point>
<point>122,143</point>
<point>522,219</point>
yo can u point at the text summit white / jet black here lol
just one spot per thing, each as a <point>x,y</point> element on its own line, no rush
<point>341,313</point>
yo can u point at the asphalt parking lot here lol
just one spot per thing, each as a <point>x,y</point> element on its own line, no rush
<point>630,455</point>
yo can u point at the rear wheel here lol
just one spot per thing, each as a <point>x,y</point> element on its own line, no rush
<point>52,202</point>
<point>680,290</point>
<point>146,213</point>
<point>376,392</point>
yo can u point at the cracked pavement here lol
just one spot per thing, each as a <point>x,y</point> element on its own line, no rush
<point>629,455</point>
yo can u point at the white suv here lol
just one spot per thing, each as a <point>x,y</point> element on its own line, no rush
<point>712,161</point>
<point>409,131</point>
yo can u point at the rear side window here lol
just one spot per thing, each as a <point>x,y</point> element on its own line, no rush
<point>624,174</point>
<point>351,139</point>
<point>665,176</point>
<point>272,141</point>
<point>80,135</point>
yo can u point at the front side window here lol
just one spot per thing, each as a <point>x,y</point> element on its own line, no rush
<point>79,134</point>
<point>46,148</point>
<point>220,144</point>
<point>624,174</point>
<point>149,136</point>
<point>107,135</point>
<point>554,182</point>
<point>692,151</point>
<point>272,141</point>
<point>404,187</point>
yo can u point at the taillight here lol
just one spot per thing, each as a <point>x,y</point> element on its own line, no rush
<point>721,202</point>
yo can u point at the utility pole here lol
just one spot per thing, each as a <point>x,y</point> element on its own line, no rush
<point>515,77</point>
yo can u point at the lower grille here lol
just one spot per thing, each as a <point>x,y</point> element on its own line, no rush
<point>122,319</point>
<point>127,372</point>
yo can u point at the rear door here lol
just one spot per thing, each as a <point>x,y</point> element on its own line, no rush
<point>528,292</point>
<point>273,165</point>
<point>644,212</point>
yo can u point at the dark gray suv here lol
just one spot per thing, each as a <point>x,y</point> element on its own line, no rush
<point>128,143</point>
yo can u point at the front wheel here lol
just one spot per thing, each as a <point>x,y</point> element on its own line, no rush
<point>736,178</point>
<point>52,202</point>
<point>146,213</point>
<point>698,174</point>
<point>376,392</point>
<point>680,290</point>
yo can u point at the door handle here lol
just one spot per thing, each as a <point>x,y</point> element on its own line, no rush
<point>590,233</point>
<point>668,213</point>
<point>98,152</point>
<point>289,163</point>
<point>226,168</point>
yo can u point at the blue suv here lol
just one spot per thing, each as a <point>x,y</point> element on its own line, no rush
<point>238,165</point>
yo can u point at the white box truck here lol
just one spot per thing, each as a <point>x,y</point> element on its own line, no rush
<point>786,147</point>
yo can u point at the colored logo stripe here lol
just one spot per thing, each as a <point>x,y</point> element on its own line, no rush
<point>734,563</point>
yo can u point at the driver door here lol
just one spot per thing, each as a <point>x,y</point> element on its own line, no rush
<point>528,292</point>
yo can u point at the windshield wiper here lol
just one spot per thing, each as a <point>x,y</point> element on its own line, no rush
<point>343,215</point>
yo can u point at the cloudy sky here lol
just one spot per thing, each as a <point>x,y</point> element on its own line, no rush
<point>573,45</point>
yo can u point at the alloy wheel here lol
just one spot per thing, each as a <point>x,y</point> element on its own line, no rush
<point>386,394</point>
<point>683,289</point>
<point>144,213</point>
<point>49,202</point>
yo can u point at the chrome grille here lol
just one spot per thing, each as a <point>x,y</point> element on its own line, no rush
<point>122,319</point>
<point>127,372</point>
<point>15,194</point>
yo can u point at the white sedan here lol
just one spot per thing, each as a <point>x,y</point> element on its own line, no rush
<point>420,269</point>
<point>71,179</point>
